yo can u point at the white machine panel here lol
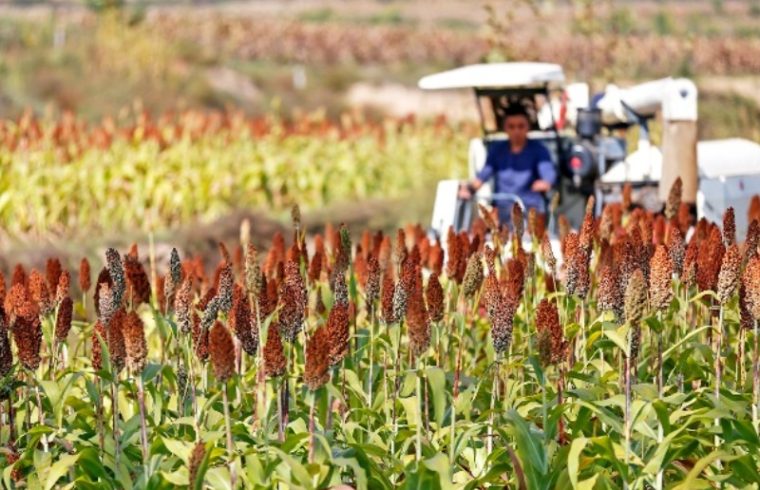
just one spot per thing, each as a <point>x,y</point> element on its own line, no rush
<point>444,209</point>
<point>729,175</point>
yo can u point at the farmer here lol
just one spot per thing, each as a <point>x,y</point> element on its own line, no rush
<point>518,166</point>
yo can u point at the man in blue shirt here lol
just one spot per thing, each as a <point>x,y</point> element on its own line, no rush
<point>519,166</point>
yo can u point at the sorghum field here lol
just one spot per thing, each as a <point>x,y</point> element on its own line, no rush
<point>141,172</point>
<point>629,358</point>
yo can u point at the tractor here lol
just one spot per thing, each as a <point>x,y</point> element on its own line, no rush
<point>587,136</point>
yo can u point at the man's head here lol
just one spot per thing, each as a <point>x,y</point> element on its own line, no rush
<point>516,125</point>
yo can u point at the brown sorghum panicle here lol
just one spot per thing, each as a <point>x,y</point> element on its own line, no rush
<point>222,352</point>
<point>84,275</point>
<point>586,238</point>
<point>435,258</point>
<point>317,357</point>
<point>635,297</point>
<point>200,338</point>
<point>293,302</point>
<point>399,250</point>
<point>360,267</point>
<point>676,249</point>
<point>116,271</point>
<point>63,287</point>
<point>162,296</point>
<point>728,277</point>
<point>343,252</point>
<point>268,298</point>
<point>752,241</point>
<point>106,305</point>
<point>684,218</point>
<point>116,345</point>
<point>241,321</point>
<point>18,304</point>
<point>473,276</point>
<point>138,284</point>
<point>674,199</point>
<point>434,299</point>
<point>455,255</point>
<point>518,224</point>
<point>6,354</point>
<point>661,273</point>
<point>627,197</point>
<point>746,320</point>
<point>551,342</point>
<point>39,292</point>
<point>501,316</point>
<point>226,284</point>
<point>709,260</point>
<point>134,341</point>
<point>183,304</point>
<point>196,459</point>
<point>317,260</point>
<point>417,318</point>
<point>515,277</point>
<point>689,273</point>
<point>389,287</point>
<point>27,333</point>
<point>275,255</point>
<point>372,288</point>
<point>103,278</point>
<point>729,227</point>
<point>275,362</point>
<point>19,276</point>
<point>548,254</point>
<point>610,292</point>
<point>63,320</point>
<point>577,277</point>
<point>319,303</point>
<point>751,282</point>
<point>2,290</point>
<point>53,271</point>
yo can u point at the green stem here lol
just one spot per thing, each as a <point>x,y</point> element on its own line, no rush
<point>420,408</point>
<point>228,428</point>
<point>143,426</point>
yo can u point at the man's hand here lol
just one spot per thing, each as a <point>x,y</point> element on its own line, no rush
<point>541,186</point>
<point>464,191</point>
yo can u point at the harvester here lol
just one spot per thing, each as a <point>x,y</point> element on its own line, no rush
<point>587,137</point>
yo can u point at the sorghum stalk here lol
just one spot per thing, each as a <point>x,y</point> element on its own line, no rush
<point>312,405</point>
<point>143,426</point>
<point>261,398</point>
<point>40,416</point>
<point>371,352</point>
<point>228,428</point>
<point>494,395</point>
<point>99,416</point>
<point>659,478</point>
<point>627,412</point>
<point>419,409</point>
<point>115,414</point>
<point>756,378</point>
<point>396,386</point>
<point>452,438</point>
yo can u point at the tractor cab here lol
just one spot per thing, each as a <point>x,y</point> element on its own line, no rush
<point>539,89</point>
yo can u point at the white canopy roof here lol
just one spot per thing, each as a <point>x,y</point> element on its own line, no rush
<point>728,157</point>
<point>495,75</point>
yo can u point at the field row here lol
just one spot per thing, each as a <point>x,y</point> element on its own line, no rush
<point>65,177</point>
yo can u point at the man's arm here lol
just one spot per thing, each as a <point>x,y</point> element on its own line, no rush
<point>547,172</point>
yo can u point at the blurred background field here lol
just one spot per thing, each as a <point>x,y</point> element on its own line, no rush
<point>125,117</point>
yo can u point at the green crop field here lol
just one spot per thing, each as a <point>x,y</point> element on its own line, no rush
<point>629,360</point>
